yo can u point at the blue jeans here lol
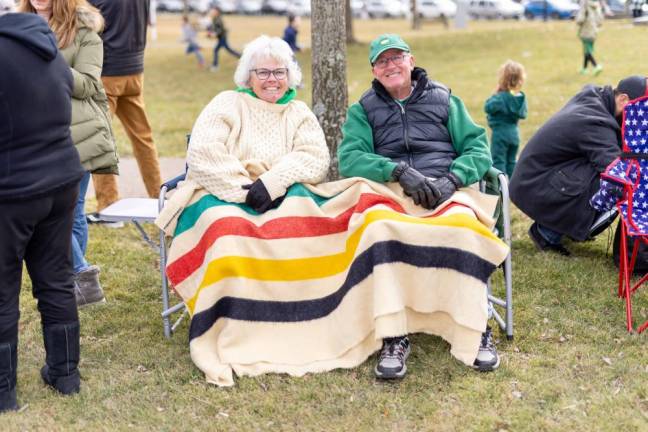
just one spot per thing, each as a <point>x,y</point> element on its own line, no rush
<point>550,235</point>
<point>222,43</point>
<point>80,228</point>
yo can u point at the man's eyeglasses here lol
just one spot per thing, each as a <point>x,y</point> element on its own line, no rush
<point>383,62</point>
<point>264,74</point>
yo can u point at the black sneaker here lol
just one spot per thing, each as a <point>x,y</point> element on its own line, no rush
<point>487,359</point>
<point>392,358</point>
<point>543,245</point>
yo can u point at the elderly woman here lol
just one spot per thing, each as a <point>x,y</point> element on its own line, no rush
<point>250,144</point>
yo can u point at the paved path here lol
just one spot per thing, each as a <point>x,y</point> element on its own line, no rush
<point>130,181</point>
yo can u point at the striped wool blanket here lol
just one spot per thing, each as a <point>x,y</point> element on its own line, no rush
<point>317,283</point>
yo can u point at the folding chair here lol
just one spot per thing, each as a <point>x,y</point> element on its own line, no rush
<point>146,210</point>
<point>630,173</point>
<point>496,183</point>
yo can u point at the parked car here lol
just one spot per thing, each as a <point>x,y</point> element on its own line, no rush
<point>278,7</point>
<point>495,9</point>
<point>170,5</point>
<point>299,8</point>
<point>226,6</point>
<point>436,8</point>
<point>250,7</point>
<point>387,8</point>
<point>556,9</point>
<point>359,9</point>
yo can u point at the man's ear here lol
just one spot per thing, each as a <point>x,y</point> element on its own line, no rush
<point>621,100</point>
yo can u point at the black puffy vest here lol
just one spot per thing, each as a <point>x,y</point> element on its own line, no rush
<point>417,132</point>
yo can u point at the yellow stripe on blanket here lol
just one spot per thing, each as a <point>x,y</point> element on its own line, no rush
<point>325,266</point>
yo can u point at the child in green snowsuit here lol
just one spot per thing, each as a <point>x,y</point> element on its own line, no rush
<point>503,110</point>
<point>589,21</point>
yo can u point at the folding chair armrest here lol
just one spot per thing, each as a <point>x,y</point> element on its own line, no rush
<point>173,183</point>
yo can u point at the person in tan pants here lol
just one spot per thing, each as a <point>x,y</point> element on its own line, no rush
<point>124,40</point>
<point>126,100</point>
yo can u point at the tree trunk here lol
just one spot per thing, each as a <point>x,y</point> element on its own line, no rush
<point>328,52</point>
<point>350,37</point>
<point>416,18</point>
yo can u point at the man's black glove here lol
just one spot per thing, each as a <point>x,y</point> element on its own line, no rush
<point>444,187</point>
<point>415,185</point>
<point>258,197</point>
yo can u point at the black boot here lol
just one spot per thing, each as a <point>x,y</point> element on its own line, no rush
<point>8,363</point>
<point>62,357</point>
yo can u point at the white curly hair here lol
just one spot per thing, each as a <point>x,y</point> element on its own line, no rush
<point>265,47</point>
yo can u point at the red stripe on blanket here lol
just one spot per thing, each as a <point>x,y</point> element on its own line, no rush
<point>280,228</point>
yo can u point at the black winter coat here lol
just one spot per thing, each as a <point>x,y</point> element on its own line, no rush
<point>558,170</point>
<point>37,156</point>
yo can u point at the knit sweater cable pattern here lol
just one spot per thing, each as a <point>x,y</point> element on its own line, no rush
<point>237,139</point>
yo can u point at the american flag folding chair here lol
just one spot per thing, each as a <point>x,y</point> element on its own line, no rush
<point>625,182</point>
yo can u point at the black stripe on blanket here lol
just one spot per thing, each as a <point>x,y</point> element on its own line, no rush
<point>305,310</point>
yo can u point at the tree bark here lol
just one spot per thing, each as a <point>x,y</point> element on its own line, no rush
<point>328,52</point>
<point>348,13</point>
<point>416,19</point>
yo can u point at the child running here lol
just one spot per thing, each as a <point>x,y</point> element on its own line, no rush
<point>189,35</point>
<point>503,110</point>
<point>589,21</point>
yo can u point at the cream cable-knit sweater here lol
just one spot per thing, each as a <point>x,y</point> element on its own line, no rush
<point>238,139</point>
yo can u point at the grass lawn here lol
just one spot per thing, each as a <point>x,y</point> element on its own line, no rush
<point>572,366</point>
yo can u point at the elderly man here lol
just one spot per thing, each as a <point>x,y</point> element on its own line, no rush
<point>410,129</point>
<point>558,170</point>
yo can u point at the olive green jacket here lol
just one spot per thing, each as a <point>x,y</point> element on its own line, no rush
<point>91,126</point>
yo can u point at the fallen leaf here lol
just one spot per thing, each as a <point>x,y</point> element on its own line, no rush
<point>562,339</point>
<point>517,394</point>
<point>141,368</point>
<point>223,414</point>
<point>160,409</point>
<point>607,361</point>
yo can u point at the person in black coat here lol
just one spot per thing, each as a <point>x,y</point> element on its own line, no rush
<point>39,183</point>
<point>558,170</point>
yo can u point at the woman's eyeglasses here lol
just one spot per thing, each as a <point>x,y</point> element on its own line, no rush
<point>264,74</point>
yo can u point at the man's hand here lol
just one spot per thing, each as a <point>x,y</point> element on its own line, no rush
<point>444,187</point>
<point>415,185</point>
<point>258,197</point>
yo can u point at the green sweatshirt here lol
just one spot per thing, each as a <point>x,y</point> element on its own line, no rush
<point>357,158</point>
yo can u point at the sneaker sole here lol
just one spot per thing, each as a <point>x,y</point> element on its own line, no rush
<point>94,303</point>
<point>399,375</point>
<point>487,368</point>
<point>386,377</point>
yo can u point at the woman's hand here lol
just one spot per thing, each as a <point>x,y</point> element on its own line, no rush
<point>258,197</point>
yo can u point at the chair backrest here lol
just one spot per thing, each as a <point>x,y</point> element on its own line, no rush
<point>635,151</point>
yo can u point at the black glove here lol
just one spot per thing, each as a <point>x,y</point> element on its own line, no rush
<point>415,185</point>
<point>258,197</point>
<point>444,187</point>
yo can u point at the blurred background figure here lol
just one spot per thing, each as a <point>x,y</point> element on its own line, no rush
<point>190,36</point>
<point>589,21</point>
<point>7,6</point>
<point>219,31</point>
<point>290,33</point>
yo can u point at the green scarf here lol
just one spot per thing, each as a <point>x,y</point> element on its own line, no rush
<point>287,97</point>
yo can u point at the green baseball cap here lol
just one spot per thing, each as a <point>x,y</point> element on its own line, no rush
<point>384,42</point>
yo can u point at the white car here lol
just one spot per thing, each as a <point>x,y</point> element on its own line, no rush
<point>170,6</point>
<point>495,9</point>
<point>226,6</point>
<point>275,6</point>
<point>250,7</point>
<point>436,8</point>
<point>387,8</point>
<point>299,8</point>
